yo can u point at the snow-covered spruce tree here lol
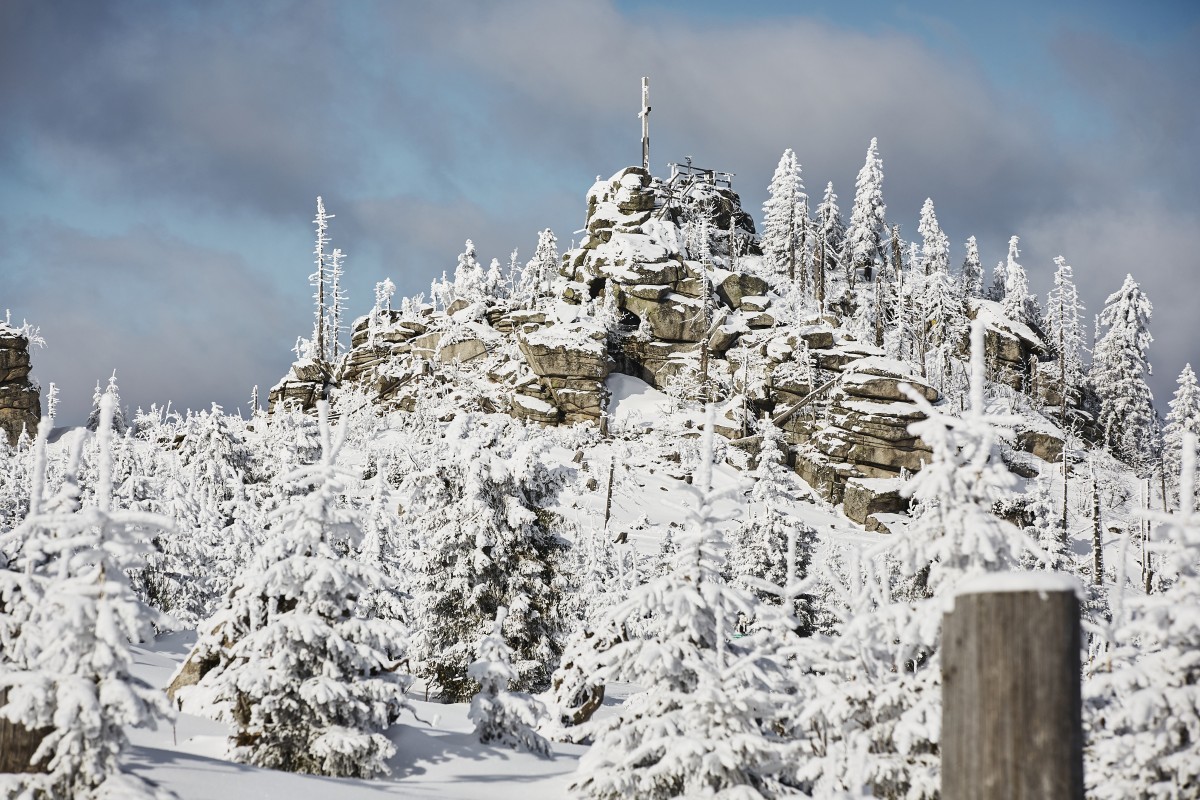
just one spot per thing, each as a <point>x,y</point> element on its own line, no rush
<point>308,683</point>
<point>942,321</point>
<point>785,221</point>
<point>1118,373</point>
<point>1019,303</point>
<point>1045,529</point>
<point>540,271</point>
<point>972,270</point>
<point>337,307</point>
<point>1063,326</point>
<point>999,285</point>
<point>319,280</point>
<point>864,236</point>
<point>768,546</point>
<point>118,418</point>
<point>1182,419</point>
<point>954,531</point>
<point>870,705</point>
<point>501,716</point>
<point>469,278</point>
<point>68,618</point>
<point>706,723</point>
<point>486,544</point>
<point>829,233</point>
<point>1143,715</point>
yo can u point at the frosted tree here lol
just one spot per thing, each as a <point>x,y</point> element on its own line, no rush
<point>1118,373</point>
<point>69,616</point>
<point>493,281</point>
<point>706,723</point>
<point>319,280</point>
<point>469,278</point>
<point>308,683</point>
<point>829,235</point>
<point>1043,529</point>
<point>864,236</point>
<point>942,322</point>
<point>869,704</point>
<point>972,270</point>
<point>1182,419</point>
<point>768,546</point>
<point>485,545</point>
<point>1018,303</point>
<point>500,716</point>
<point>540,271</point>
<point>954,531</point>
<point>785,218</point>
<point>118,417</point>
<point>1143,713</point>
<point>1063,326</point>
<point>999,285</point>
<point>337,306</point>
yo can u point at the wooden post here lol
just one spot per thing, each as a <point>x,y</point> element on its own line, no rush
<point>645,115</point>
<point>1011,724</point>
<point>18,744</point>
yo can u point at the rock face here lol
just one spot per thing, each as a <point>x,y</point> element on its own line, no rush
<point>20,402</point>
<point>571,362</point>
<point>866,497</point>
<point>1012,348</point>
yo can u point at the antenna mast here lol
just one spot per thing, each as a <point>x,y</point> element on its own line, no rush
<point>645,115</point>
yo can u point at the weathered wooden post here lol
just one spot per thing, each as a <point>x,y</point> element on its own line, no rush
<point>18,743</point>
<point>1011,727</point>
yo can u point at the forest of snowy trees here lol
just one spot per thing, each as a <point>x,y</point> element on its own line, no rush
<point>361,537</point>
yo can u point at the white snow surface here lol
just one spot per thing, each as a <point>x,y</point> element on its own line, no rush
<point>1026,581</point>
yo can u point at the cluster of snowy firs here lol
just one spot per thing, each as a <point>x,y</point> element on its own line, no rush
<point>328,567</point>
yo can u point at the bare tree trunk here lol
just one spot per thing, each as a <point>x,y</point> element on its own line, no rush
<point>1011,710</point>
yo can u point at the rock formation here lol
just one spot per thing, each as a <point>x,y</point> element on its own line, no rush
<point>20,402</point>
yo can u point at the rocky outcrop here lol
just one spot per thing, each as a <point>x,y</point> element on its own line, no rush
<point>20,402</point>
<point>1012,348</point>
<point>571,362</point>
<point>866,497</point>
<point>305,383</point>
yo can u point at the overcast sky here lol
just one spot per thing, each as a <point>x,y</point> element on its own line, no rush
<point>160,162</point>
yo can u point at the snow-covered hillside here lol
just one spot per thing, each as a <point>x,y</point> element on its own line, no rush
<point>673,514</point>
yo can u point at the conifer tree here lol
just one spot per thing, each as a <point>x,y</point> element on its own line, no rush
<point>829,235</point>
<point>469,278</point>
<point>1118,371</point>
<point>501,716</point>
<point>540,271</point>
<point>864,236</point>
<point>1018,303</point>
<point>972,271</point>
<point>785,218</point>
<point>1143,712</point>
<point>707,721</point>
<point>999,285</point>
<point>337,306</point>
<point>485,546</point>
<point>309,684</point>
<point>69,616</point>
<point>319,280</point>
<point>760,549</point>
<point>1182,419</point>
<point>1063,325</point>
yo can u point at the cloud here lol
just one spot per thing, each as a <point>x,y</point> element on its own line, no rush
<point>425,124</point>
<point>176,321</point>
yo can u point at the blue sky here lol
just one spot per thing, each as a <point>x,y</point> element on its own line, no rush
<point>159,163</point>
